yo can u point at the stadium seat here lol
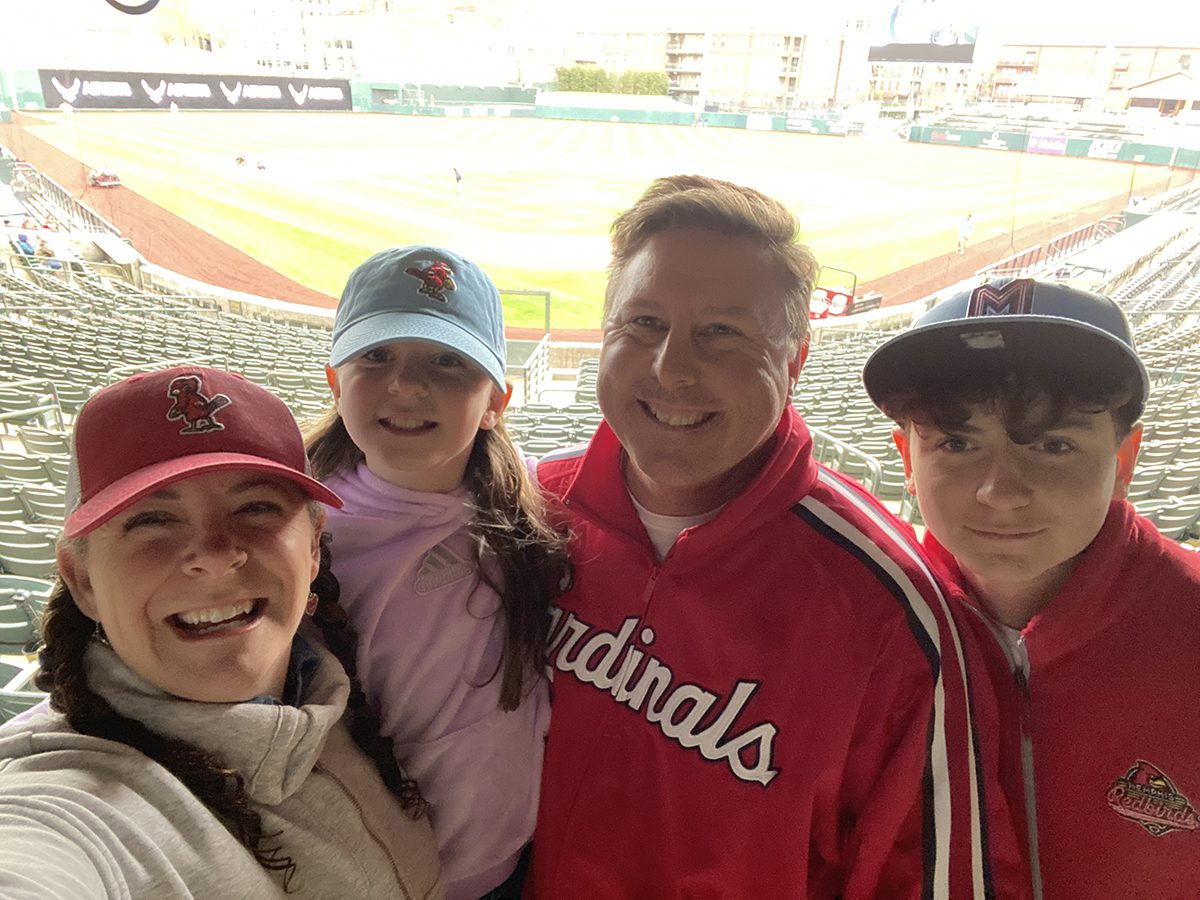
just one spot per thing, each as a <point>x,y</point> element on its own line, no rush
<point>910,511</point>
<point>1176,520</point>
<point>13,703</point>
<point>11,507</point>
<point>891,482</point>
<point>40,442</point>
<point>34,604</point>
<point>44,503</point>
<point>1145,482</point>
<point>537,446</point>
<point>18,629</point>
<point>37,589</point>
<point>19,467</point>
<point>8,672</point>
<point>582,409</point>
<point>1178,481</point>
<point>57,467</point>
<point>25,551</point>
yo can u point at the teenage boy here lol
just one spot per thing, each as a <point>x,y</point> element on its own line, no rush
<point>1017,406</point>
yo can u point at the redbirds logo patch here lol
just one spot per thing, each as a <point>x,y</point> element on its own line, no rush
<point>437,280</point>
<point>1146,796</point>
<point>197,411</point>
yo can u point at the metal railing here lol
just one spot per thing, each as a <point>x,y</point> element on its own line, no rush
<point>31,180</point>
<point>40,410</point>
<point>1041,256</point>
<point>535,372</point>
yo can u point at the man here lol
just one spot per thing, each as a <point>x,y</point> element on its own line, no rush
<point>758,690</point>
<point>966,227</point>
<point>1017,406</point>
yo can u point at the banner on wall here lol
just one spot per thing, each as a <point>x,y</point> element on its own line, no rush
<point>156,90</point>
<point>1054,144</point>
<point>1105,149</point>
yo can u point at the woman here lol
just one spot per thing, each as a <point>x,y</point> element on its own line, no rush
<point>202,739</point>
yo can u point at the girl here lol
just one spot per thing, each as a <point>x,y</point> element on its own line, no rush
<point>446,560</point>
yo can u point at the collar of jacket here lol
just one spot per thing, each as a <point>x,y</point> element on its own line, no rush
<point>597,490</point>
<point>274,747</point>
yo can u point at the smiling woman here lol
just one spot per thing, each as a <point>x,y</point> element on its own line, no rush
<point>206,736</point>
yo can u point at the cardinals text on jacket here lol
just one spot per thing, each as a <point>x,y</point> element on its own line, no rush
<point>620,664</point>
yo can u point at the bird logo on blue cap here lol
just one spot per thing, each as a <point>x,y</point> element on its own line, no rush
<point>437,279</point>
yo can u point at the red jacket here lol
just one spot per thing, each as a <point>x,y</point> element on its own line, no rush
<point>1110,707</point>
<point>777,709</point>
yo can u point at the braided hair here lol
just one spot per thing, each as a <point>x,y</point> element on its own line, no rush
<point>65,635</point>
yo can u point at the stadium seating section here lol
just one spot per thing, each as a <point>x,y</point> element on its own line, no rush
<point>62,338</point>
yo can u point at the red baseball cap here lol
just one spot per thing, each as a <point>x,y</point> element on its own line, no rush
<point>153,429</point>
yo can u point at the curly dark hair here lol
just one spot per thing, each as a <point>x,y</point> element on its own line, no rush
<point>1029,400</point>
<point>65,634</point>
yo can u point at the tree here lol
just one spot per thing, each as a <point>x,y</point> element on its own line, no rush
<point>593,79</point>
<point>590,79</point>
<point>644,82</point>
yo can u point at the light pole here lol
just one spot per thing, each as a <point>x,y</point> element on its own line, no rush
<point>1140,157</point>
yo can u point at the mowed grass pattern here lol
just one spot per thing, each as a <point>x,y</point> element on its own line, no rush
<point>538,196</point>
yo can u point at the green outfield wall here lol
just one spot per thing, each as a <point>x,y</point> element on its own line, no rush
<point>1049,143</point>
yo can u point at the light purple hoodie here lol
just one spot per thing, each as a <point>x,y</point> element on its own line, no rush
<point>430,638</point>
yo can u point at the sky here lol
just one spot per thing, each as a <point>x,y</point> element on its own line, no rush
<point>1169,23</point>
<point>1164,22</point>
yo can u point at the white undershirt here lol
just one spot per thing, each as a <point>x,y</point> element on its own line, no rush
<point>665,530</point>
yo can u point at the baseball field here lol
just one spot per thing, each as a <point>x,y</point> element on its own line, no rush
<point>537,196</point>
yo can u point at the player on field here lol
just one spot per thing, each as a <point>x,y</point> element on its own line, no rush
<point>966,228</point>
<point>759,691</point>
<point>1017,407</point>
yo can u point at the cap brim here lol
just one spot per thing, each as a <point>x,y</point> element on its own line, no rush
<point>383,328</point>
<point>129,490</point>
<point>961,346</point>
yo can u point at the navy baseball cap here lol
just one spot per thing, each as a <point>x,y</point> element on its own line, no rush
<point>421,293</point>
<point>1008,323</point>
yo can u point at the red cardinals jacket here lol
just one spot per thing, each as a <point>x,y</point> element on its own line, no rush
<point>1106,704</point>
<point>777,709</point>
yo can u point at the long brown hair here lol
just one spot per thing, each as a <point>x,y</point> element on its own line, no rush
<point>65,634</point>
<point>511,527</point>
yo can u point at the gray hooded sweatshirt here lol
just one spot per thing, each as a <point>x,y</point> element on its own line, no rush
<point>86,817</point>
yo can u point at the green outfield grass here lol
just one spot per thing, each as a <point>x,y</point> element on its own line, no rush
<point>538,195</point>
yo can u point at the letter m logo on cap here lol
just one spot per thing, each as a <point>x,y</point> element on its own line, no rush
<point>1012,299</point>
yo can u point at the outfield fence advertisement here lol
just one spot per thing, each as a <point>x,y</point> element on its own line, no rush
<point>157,90</point>
<point>1059,145</point>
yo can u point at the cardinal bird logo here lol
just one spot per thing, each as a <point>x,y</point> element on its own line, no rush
<point>1146,796</point>
<point>437,280</point>
<point>198,412</point>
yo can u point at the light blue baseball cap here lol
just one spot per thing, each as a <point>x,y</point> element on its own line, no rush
<point>421,293</point>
